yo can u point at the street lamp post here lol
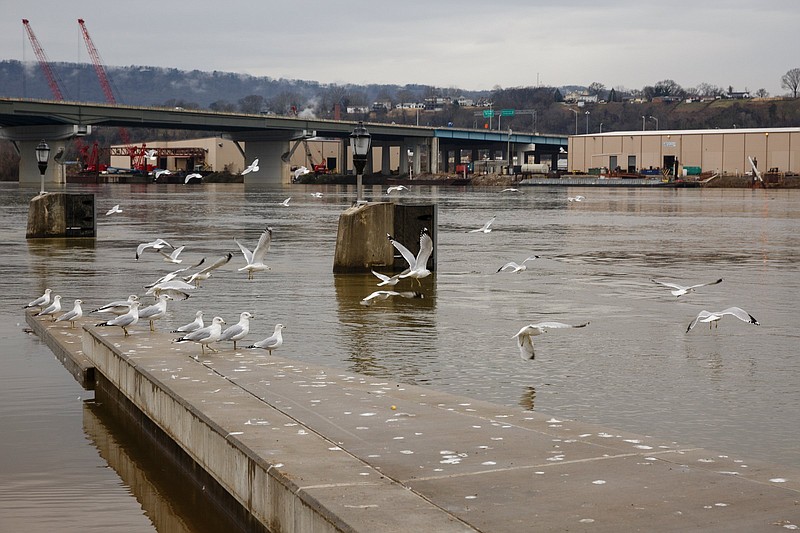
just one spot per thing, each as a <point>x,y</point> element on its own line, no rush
<point>643,119</point>
<point>656,120</point>
<point>42,156</point>
<point>587,122</point>
<point>576,120</point>
<point>601,127</point>
<point>359,144</point>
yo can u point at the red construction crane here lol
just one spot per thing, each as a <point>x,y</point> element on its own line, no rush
<point>44,63</point>
<point>136,154</point>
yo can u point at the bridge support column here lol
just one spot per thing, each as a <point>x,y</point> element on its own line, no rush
<point>386,159</point>
<point>26,138</point>
<point>433,156</point>
<point>272,169</point>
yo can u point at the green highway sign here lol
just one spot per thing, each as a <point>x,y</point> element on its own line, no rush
<point>507,113</point>
<point>487,113</point>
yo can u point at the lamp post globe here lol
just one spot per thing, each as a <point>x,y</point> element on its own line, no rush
<point>360,143</point>
<point>42,156</point>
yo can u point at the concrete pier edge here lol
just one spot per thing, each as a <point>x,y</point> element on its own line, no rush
<point>298,467</point>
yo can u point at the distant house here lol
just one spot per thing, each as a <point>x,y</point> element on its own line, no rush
<point>578,97</point>
<point>738,95</point>
<point>383,105</point>
<point>357,109</point>
<point>463,101</point>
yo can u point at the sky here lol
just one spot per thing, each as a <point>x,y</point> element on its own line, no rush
<point>467,44</point>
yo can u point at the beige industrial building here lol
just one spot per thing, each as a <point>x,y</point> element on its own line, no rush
<point>724,152</point>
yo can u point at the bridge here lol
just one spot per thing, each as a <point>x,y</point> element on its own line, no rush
<point>266,137</point>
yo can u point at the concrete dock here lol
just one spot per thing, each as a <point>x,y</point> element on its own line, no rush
<point>306,448</point>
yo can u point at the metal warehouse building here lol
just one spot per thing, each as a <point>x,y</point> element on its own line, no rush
<point>725,152</point>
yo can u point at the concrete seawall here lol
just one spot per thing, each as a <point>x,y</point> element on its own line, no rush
<point>308,448</point>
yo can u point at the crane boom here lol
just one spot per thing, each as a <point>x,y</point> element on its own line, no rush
<point>44,62</point>
<point>98,64</point>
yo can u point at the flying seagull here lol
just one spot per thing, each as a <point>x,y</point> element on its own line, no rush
<point>417,266</point>
<point>525,335</point>
<point>285,203</point>
<point>273,342</point>
<point>255,259</point>
<point>714,316</point>
<point>204,336</point>
<point>510,189</point>
<point>516,268</point>
<point>72,315</point>
<point>52,309</point>
<point>578,198</point>
<point>253,167</point>
<point>204,274</point>
<point>128,320</point>
<point>157,174</point>
<point>385,295</point>
<point>40,302</point>
<point>680,290</point>
<point>386,280</point>
<point>173,256</point>
<point>118,307</point>
<point>113,210</point>
<point>157,244</point>
<point>397,188</point>
<point>193,175</point>
<point>486,227</point>
<point>237,331</point>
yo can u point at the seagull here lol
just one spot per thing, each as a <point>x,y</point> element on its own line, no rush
<point>175,288</point>
<point>119,307</point>
<point>486,227</point>
<point>561,150</point>
<point>113,210</point>
<point>40,302</point>
<point>417,265</point>
<point>192,176</point>
<point>272,342</point>
<point>150,154</point>
<point>316,194</point>
<point>386,280</point>
<point>155,311</point>
<point>253,167</point>
<point>157,244</point>
<point>680,290</point>
<point>173,256</point>
<point>398,188</point>
<point>52,309</point>
<point>204,336</point>
<point>300,171</point>
<point>237,331</point>
<point>157,174</point>
<point>285,203</point>
<point>578,198</point>
<point>204,274</point>
<point>511,189</point>
<point>525,335</point>
<point>714,316</point>
<point>255,259</point>
<point>174,274</point>
<point>516,268</point>
<point>72,315</point>
<point>125,321</point>
<point>194,325</point>
<point>385,295</point>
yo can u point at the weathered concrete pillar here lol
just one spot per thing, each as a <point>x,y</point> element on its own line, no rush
<point>26,138</point>
<point>433,156</point>
<point>361,242</point>
<point>61,215</point>
<point>386,159</point>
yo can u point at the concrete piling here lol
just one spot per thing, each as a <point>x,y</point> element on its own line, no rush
<point>61,215</point>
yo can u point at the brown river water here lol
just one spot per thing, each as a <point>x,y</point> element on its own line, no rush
<point>66,464</point>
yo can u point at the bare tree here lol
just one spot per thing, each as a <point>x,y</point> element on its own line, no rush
<point>791,81</point>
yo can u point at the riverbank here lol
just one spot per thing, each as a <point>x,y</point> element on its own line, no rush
<point>304,447</point>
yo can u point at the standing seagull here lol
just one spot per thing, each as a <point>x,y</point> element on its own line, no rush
<point>237,331</point>
<point>255,259</point>
<point>157,244</point>
<point>272,342</point>
<point>52,309</point>
<point>113,210</point>
<point>714,316</point>
<point>72,315</point>
<point>680,290</point>
<point>194,325</point>
<point>155,311</point>
<point>525,335</point>
<point>516,268</point>
<point>486,227</point>
<point>253,167</point>
<point>204,336</point>
<point>417,266</point>
<point>40,302</point>
<point>128,320</point>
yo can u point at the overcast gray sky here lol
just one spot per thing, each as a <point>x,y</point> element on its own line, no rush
<point>468,44</point>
